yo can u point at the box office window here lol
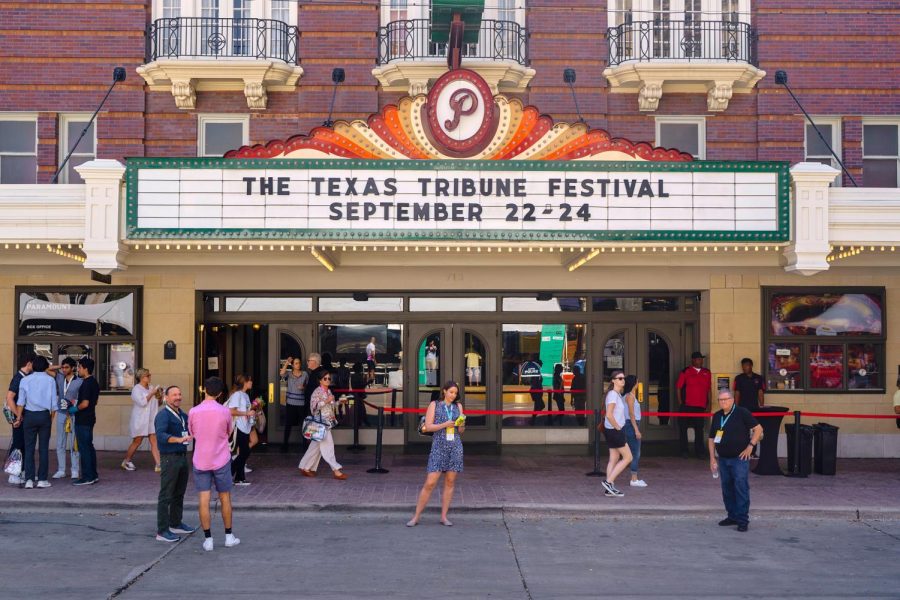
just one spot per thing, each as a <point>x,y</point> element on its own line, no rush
<point>99,323</point>
<point>818,340</point>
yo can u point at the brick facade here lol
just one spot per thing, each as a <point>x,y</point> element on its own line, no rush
<point>57,56</point>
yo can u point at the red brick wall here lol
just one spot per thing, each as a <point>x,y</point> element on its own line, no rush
<point>57,56</point>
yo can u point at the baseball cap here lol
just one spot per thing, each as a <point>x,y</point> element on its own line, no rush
<point>697,355</point>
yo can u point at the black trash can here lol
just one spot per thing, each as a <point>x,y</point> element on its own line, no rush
<point>825,442</point>
<point>806,448</point>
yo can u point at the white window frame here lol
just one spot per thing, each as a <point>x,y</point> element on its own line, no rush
<point>835,141</point>
<point>681,120</point>
<point>63,136</point>
<point>421,9</point>
<point>259,9</point>
<point>642,10</point>
<point>205,119</point>
<point>22,116</point>
<point>880,121</point>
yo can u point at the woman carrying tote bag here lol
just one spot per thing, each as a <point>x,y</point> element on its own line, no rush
<point>323,409</point>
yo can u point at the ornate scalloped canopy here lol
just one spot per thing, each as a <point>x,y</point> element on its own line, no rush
<point>458,119</point>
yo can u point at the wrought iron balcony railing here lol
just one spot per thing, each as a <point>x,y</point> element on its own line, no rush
<point>411,40</point>
<point>204,37</point>
<point>707,41</point>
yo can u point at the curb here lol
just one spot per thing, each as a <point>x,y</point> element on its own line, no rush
<point>525,510</point>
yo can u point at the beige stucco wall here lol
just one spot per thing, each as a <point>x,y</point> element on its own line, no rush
<point>168,314</point>
<point>730,326</point>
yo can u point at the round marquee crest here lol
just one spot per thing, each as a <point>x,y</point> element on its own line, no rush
<point>460,112</point>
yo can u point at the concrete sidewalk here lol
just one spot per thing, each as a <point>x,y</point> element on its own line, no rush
<point>862,488</point>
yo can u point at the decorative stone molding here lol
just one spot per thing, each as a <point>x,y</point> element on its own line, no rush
<point>718,96</point>
<point>185,94</point>
<point>650,80</point>
<point>809,216</point>
<point>103,248</point>
<point>256,95</point>
<point>415,76</point>
<point>186,77</point>
<point>648,97</point>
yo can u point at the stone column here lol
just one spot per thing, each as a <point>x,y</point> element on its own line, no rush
<point>103,197</point>
<point>809,218</point>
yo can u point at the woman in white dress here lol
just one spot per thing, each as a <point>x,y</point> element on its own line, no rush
<point>145,399</point>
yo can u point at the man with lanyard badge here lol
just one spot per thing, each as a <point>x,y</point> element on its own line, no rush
<point>733,433</point>
<point>173,439</point>
<point>67,385</point>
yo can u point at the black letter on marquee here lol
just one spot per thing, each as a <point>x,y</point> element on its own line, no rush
<point>249,181</point>
<point>283,186</point>
<point>335,211</point>
<point>318,181</point>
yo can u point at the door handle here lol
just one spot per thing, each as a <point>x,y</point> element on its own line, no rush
<point>271,393</point>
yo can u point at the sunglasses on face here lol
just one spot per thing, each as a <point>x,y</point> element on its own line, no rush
<point>326,379</point>
<point>622,378</point>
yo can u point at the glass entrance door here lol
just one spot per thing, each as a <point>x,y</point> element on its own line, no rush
<point>287,344</point>
<point>462,353</point>
<point>654,352</point>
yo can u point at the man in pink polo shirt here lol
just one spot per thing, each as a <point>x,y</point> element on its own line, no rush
<point>210,423</point>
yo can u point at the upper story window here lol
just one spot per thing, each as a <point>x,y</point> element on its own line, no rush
<point>816,149</point>
<point>881,153</point>
<point>217,134</point>
<point>224,28</point>
<point>679,30</point>
<point>70,127</point>
<point>687,134</point>
<point>406,32</point>
<point>18,148</point>
<point>280,10</point>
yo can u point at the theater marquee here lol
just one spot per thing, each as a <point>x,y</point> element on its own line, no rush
<point>457,164</point>
<point>541,200</point>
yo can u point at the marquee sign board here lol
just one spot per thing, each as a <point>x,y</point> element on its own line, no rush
<point>371,200</point>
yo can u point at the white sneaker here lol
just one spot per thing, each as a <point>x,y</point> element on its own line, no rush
<point>14,480</point>
<point>44,484</point>
<point>128,465</point>
<point>230,540</point>
<point>638,483</point>
<point>59,475</point>
<point>76,475</point>
<point>208,544</point>
<point>29,484</point>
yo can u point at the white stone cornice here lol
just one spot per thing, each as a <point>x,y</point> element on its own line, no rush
<point>415,76</point>
<point>255,77</point>
<point>719,80</point>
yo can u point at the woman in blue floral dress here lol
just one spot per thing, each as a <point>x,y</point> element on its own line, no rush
<point>446,450</point>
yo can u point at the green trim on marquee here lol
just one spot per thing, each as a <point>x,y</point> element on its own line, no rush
<point>133,165</point>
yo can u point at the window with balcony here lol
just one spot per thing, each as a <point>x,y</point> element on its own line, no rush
<point>222,45</point>
<point>409,59</point>
<point>217,134</point>
<point>681,46</point>
<point>70,127</point>
<point>18,148</point>
<point>881,153</point>
<point>816,149</point>
<point>687,134</point>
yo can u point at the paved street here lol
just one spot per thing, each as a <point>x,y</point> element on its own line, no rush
<point>491,554</point>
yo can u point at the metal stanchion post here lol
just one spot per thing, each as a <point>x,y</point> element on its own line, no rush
<point>393,405</point>
<point>597,472</point>
<point>796,472</point>
<point>378,440</point>
<point>355,447</point>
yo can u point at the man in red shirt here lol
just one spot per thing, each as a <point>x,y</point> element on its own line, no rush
<point>692,389</point>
